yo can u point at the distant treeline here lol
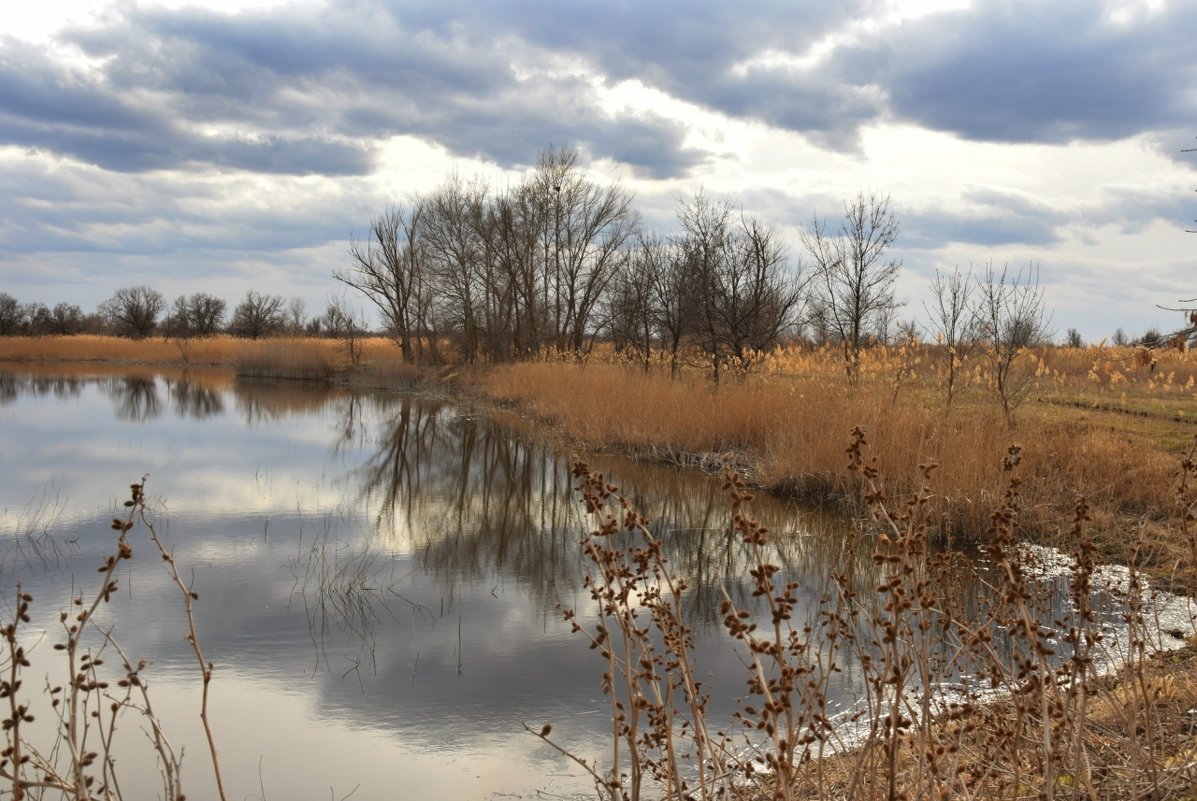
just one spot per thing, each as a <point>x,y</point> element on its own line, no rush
<point>140,311</point>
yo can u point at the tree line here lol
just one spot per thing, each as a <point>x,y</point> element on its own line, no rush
<point>557,261</point>
<point>140,311</point>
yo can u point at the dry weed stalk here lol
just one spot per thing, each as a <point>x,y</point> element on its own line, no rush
<point>998,698</point>
<point>78,760</point>
<point>658,707</point>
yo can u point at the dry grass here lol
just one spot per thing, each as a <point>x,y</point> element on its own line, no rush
<point>1097,422</point>
<point>283,357</point>
<point>1003,699</point>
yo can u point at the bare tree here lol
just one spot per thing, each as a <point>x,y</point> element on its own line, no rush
<point>515,237</point>
<point>587,230</point>
<point>705,242</point>
<point>855,280</point>
<point>37,319</point>
<point>389,270</point>
<point>951,318</point>
<point>630,311</point>
<point>455,252</point>
<point>747,293</point>
<point>11,315</point>
<point>818,321</point>
<point>65,319</point>
<point>258,315</point>
<point>295,316</point>
<point>196,315</point>
<point>758,294</point>
<point>205,314</point>
<point>1010,324</point>
<point>673,295</point>
<point>342,321</point>
<point>134,310</point>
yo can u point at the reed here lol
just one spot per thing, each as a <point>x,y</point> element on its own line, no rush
<point>77,758</point>
<point>1012,700</point>
<point>785,429</point>
<point>301,359</point>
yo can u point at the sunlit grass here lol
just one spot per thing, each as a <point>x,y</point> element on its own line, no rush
<point>786,422</point>
<point>279,356</point>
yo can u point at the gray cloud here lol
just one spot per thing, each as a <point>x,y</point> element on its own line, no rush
<point>987,217</point>
<point>1036,72</point>
<point>314,86</point>
<point>305,91</point>
<point>53,108</point>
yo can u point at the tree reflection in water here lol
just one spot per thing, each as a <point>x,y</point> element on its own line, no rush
<point>480,505</point>
<point>194,399</point>
<point>13,385</point>
<point>135,397</point>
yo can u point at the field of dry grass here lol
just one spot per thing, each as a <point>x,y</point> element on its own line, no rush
<point>298,357</point>
<point>1099,422</point>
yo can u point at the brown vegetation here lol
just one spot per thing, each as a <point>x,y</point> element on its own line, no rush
<point>77,759</point>
<point>277,356</point>
<point>1097,422</point>
<point>1007,700</point>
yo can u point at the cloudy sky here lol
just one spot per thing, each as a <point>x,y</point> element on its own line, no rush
<point>221,146</point>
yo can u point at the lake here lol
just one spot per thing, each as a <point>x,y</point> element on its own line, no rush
<point>380,578</point>
<point>379,574</point>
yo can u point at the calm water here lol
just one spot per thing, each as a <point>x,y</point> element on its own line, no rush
<point>379,575</point>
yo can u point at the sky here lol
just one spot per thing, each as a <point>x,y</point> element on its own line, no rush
<point>221,146</point>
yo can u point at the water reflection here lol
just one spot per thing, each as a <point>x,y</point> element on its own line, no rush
<point>472,500</point>
<point>13,385</point>
<point>194,399</point>
<point>136,399</point>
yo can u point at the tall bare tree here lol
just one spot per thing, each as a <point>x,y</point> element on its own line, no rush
<point>134,310</point>
<point>587,230</point>
<point>705,238</point>
<point>454,251</point>
<point>389,270</point>
<point>855,277</point>
<point>514,232</point>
